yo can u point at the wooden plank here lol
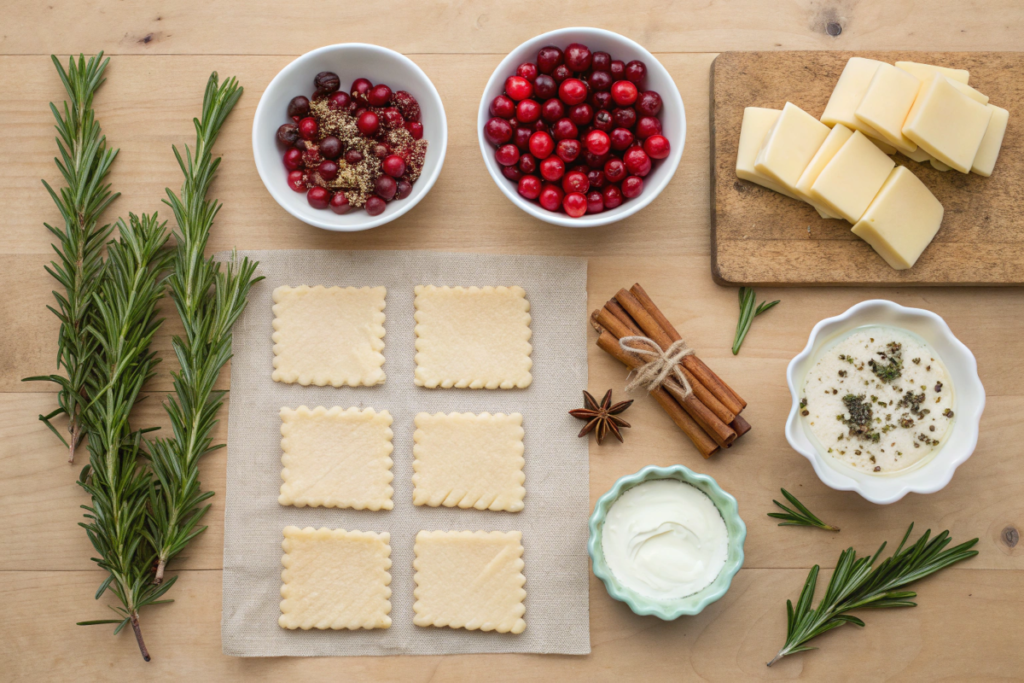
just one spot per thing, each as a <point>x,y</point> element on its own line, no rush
<point>761,237</point>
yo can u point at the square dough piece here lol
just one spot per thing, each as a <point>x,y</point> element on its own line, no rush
<point>336,458</point>
<point>329,335</point>
<point>472,337</point>
<point>469,461</point>
<point>470,579</point>
<point>335,579</point>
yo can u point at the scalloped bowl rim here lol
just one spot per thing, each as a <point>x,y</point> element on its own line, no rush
<point>691,604</point>
<point>935,473</point>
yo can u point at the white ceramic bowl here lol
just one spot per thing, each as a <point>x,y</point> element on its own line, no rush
<point>673,119</point>
<point>350,61</point>
<point>969,402</point>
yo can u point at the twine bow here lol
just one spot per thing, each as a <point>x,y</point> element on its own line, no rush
<point>661,366</point>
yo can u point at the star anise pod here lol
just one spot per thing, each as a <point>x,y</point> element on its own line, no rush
<point>601,418</point>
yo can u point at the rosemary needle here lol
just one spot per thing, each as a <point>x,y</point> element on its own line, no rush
<point>748,311</point>
<point>801,516</point>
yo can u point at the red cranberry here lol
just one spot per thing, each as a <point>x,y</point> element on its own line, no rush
<point>637,162</point>
<point>601,61</point>
<point>603,120</point>
<point>528,111</point>
<point>361,89</point>
<point>394,166</point>
<point>385,187</point>
<point>596,178</point>
<point>497,131</point>
<point>649,103</point>
<point>358,111</point>
<point>297,181</point>
<point>518,88</point>
<point>552,110</point>
<point>503,107</point>
<point>353,157</point>
<point>600,81</point>
<point>368,123</point>
<point>311,155</point>
<point>576,181</point>
<point>564,129</point>
<point>379,96</point>
<point>540,126</point>
<point>578,57</point>
<point>404,189</point>
<point>381,150</point>
<point>568,149</point>
<point>624,93</point>
<point>545,87</point>
<point>308,128</point>
<point>512,173</point>
<point>548,58</point>
<point>657,147</point>
<point>647,126</point>
<point>581,114</point>
<point>612,197</point>
<point>541,145</point>
<point>507,155</point>
<point>407,104</point>
<point>598,142</point>
<point>293,159</point>
<point>375,206</point>
<point>527,70</point>
<point>552,168</point>
<point>339,101</point>
<point>288,134</point>
<point>339,203</point>
<point>624,117</point>
<point>572,91</point>
<point>561,73</point>
<point>636,71</point>
<point>551,197</point>
<point>392,119</point>
<point>595,202</point>
<point>595,160</point>
<point>601,100</point>
<point>328,170</point>
<point>415,129</point>
<point>521,138</point>
<point>529,186</point>
<point>617,69</point>
<point>326,82</point>
<point>632,187</point>
<point>614,170</point>
<point>318,197</point>
<point>299,106</point>
<point>621,139</point>
<point>528,163</point>
<point>575,204</point>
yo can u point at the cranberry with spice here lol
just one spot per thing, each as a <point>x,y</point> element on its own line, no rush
<point>548,58</point>
<point>339,101</point>
<point>648,103</point>
<point>637,162</point>
<point>293,159</point>
<point>368,123</point>
<point>415,129</point>
<point>361,89</point>
<point>552,168</point>
<point>394,165</point>
<point>503,107</point>
<point>621,139</point>
<point>297,181</point>
<point>595,202</point>
<point>328,170</point>
<point>632,187</point>
<point>308,128</point>
<point>407,104</point>
<point>612,197</point>
<point>564,129</point>
<point>299,106</point>
<point>375,206</point>
<point>353,157</point>
<point>404,189</point>
<point>339,203</point>
<point>392,119</point>
<point>615,170</point>
<point>657,147</point>
<point>528,111</point>
<point>568,150</point>
<point>541,145</point>
<point>498,131</point>
<point>528,163</point>
<point>581,114</point>
<point>552,110</point>
<point>518,88</point>
<point>318,197</point>
<point>636,71</point>
<point>288,134</point>
<point>575,181</point>
<point>529,186</point>
<point>551,197</point>
<point>575,204</point>
<point>528,70</point>
<point>544,87</point>
<point>647,126</point>
<point>379,96</point>
<point>385,187</point>
<point>598,142</point>
<point>578,57</point>
<point>507,155</point>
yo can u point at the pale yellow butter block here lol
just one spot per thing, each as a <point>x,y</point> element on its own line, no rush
<point>469,461</point>
<point>988,151</point>
<point>853,84</point>
<point>335,579</point>
<point>924,71</point>
<point>852,178</point>
<point>757,122</point>
<point>902,221</point>
<point>470,579</point>
<point>947,124</point>
<point>789,146</point>
<point>887,102</point>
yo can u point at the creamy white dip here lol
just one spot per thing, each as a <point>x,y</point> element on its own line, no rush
<point>879,400</point>
<point>665,539</point>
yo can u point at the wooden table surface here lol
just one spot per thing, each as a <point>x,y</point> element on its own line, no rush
<point>969,622</point>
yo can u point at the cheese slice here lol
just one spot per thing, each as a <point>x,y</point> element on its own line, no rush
<point>789,146</point>
<point>884,146</point>
<point>988,151</point>
<point>947,124</point>
<point>938,165</point>
<point>852,178</point>
<point>924,71</point>
<point>887,102</point>
<point>918,155</point>
<point>756,124</point>
<point>902,220</point>
<point>853,84</point>
<point>835,140</point>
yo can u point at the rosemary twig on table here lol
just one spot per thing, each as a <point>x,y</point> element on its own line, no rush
<point>208,300</point>
<point>855,585</point>
<point>84,163</point>
<point>748,311</point>
<point>801,516</point>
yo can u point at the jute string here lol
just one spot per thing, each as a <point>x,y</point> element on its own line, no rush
<point>661,366</point>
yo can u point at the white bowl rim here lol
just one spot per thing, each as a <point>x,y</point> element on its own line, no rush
<point>373,221</point>
<point>931,476</point>
<point>669,165</point>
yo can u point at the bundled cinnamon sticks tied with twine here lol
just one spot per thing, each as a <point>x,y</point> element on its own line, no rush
<point>636,333</point>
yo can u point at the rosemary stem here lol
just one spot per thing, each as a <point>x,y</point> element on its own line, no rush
<point>138,636</point>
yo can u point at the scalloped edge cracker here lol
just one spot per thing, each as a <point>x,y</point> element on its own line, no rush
<point>335,579</point>
<point>473,337</point>
<point>469,461</point>
<point>470,579</point>
<point>336,458</point>
<point>329,335</point>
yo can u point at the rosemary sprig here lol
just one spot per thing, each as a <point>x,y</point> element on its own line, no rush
<point>208,300</point>
<point>801,516</point>
<point>84,163</point>
<point>855,585</point>
<point>748,311</point>
<point>122,326</point>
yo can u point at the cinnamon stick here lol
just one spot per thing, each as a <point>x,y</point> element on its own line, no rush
<point>740,426</point>
<point>615,309</point>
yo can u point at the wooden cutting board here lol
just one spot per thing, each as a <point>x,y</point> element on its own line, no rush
<point>761,237</point>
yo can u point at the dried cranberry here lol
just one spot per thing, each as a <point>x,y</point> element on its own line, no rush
<point>561,73</point>
<point>353,157</point>
<point>552,110</point>
<point>518,88</point>
<point>578,57</point>
<point>339,101</point>
<point>621,139</point>
<point>636,71</point>
<point>564,129</point>
<point>529,186</point>
<point>581,114</point>
<point>507,155</point>
<point>576,181</point>
<point>407,104</point>
<point>595,201</point>
<point>375,206</point>
<point>299,106</point>
<point>632,187</point>
<point>551,197</point>
<point>649,103</point>
<point>293,159</point>
<point>339,203</point>
<point>603,120</point>
<point>394,166</point>
<point>385,187</point>
<point>572,91</point>
<point>497,131</point>
<point>568,150</point>
<point>600,81</point>
<point>297,181</point>
<point>360,89</point>
<point>601,61</point>
<point>318,197</point>
<point>527,70</point>
<point>552,168</point>
<point>502,107</point>
<point>404,189</point>
<point>617,69</point>
<point>379,95</point>
<point>612,197</point>
<point>624,117</point>
<point>528,111</point>
<point>541,145</point>
<point>528,163</point>
<point>548,58</point>
<point>647,126</point>
<point>575,204</point>
<point>415,129</point>
<point>368,123</point>
<point>657,147</point>
<point>288,134</point>
<point>544,87</point>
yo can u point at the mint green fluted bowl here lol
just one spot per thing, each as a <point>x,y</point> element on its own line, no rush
<point>691,604</point>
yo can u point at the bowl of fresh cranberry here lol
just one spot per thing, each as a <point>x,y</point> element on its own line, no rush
<point>581,127</point>
<point>349,137</point>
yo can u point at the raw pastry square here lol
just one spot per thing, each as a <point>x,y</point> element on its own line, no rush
<point>470,579</point>
<point>336,458</point>
<point>469,461</point>
<point>335,579</point>
<point>331,335</point>
<point>472,337</point>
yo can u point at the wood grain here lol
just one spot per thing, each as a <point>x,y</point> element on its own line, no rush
<point>762,237</point>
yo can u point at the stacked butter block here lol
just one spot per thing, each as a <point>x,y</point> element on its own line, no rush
<point>841,164</point>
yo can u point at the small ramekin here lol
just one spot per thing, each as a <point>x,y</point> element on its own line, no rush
<point>691,604</point>
<point>969,401</point>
